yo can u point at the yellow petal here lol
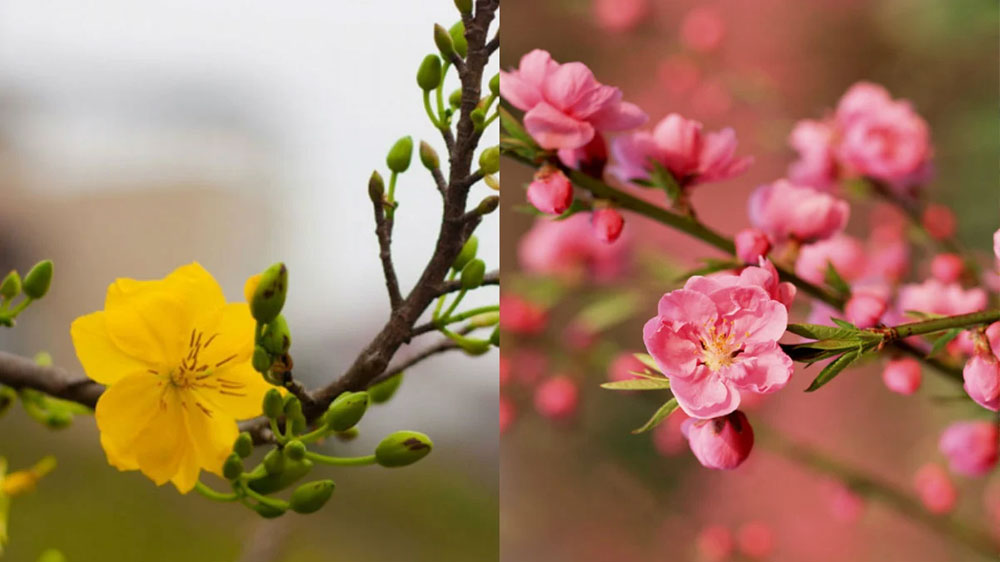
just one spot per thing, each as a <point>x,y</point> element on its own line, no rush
<point>154,319</point>
<point>227,338</point>
<point>160,447</point>
<point>102,360</point>
<point>122,414</point>
<point>212,434</point>
<point>237,391</point>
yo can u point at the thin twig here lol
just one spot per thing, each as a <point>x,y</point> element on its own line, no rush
<point>491,278</point>
<point>21,372</point>
<point>494,44</point>
<point>383,230</point>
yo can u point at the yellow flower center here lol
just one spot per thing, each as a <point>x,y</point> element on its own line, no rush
<point>192,373</point>
<point>719,348</point>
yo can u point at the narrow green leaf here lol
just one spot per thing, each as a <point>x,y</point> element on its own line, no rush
<point>835,281</point>
<point>833,369</point>
<point>638,384</point>
<point>844,324</point>
<point>660,415</point>
<point>821,332</point>
<point>648,375</point>
<point>943,340</point>
<point>647,360</point>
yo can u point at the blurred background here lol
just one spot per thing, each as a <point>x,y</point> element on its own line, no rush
<point>136,137</point>
<point>583,488</point>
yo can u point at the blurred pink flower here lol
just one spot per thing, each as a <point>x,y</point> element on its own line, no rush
<point>519,316</point>
<point>668,440</point>
<point>939,221</point>
<point>935,297</point>
<point>568,248</point>
<point>816,166</point>
<point>756,540</point>
<point>713,339</point>
<point>947,268</point>
<point>681,147</point>
<point>619,15</point>
<point>902,375</point>
<point>623,365</point>
<point>507,414</point>
<point>751,245</point>
<point>579,336</point>
<point>528,366</point>
<point>982,371</point>
<point>845,505</point>
<point>971,447</point>
<point>888,254</point>
<point>607,223</point>
<point>504,367</point>
<point>564,105</point>
<point>845,253</point>
<point>865,308</point>
<point>703,29</point>
<point>935,489</point>
<point>996,244</point>
<point>722,443</point>
<point>784,210</point>
<point>557,397</point>
<point>551,191</point>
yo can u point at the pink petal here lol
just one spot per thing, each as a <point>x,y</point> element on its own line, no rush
<point>675,354</point>
<point>620,116</point>
<point>683,307</point>
<point>552,128</point>
<point>765,368</point>
<point>705,395</point>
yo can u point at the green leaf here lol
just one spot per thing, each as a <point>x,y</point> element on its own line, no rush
<point>608,311</point>
<point>922,315</point>
<point>834,280</point>
<point>711,265</point>
<point>817,351</point>
<point>648,375</point>
<point>943,340</point>
<point>513,128</point>
<point>844,324</point>
<point>647,360</point>
<point>638,384</point>
<point>833,369</point>
<point>662,178</point>
<point>660,415</point>
<point>821,332</point>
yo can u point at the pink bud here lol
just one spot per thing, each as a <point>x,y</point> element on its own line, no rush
<point>557,397</point>
<point>519,316</point>
<point>845,505</point>
<point>721,443</point>
<point>982,380</point>
<point>622,367</point>
<point>507,414</point>
<point>703,29</point>
<point>902,375</point>
<point>947,268</point>
<point>935,489</point>
<point>971,447</point>
<point>551,192</point>
<point>939,221</point>
<point>864,309</point>
<point>715,543</point>
<point>607,224</point>
<point>751,245</point>
<point>756,540</point>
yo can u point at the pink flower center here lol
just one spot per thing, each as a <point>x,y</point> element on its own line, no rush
<point>719,347</point>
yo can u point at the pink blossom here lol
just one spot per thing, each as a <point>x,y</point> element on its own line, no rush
<point>519,316</point>
<point>765,276</point>
<point>935,488</point>
<point>902,376</point>
<point>680,146</point>
<point>528,366</point>
<point>721,443</point>
<point>714,338</point>
<point>865,308</point>
<point>568,249</point>
<point>507,414</point>
<point>845,505</point>
<point>619,15</point>
<point>714,543</point>
<point>881,137</point>
<point>982,372</point>
<point>888,254</point>
<point>623,366</point>
<point>756,540</point>
<point>939,221</point>
<point>971,447</point>
<point>564,105</point>
<point>784,210</point>
<point>816,166</point>
<point>703,29</point>
<point>589,158</point>
<point>844,252</point>
<point>751,245</point>
<point>996,244</point>
<point>551,191</point>
<point>607,223</point>
<point>946,299</point>
<point>947,268</point>
<point>668,439</point>
<point>557,397</point>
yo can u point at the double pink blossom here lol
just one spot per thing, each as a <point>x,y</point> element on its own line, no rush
<point>784,210</point>
<point>716,337</point>
<point>564,105</point>
<point>971,447</point>
<point>722,443</point>
<point>569,249</point>
<point>982,372</point>
<point>751,245</point>
<point>844,252</point>
<point>680,146</point>
<point>946,299</point>
<point>817,165</point>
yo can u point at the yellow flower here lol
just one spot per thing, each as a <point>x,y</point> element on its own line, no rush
<point>176,360</point>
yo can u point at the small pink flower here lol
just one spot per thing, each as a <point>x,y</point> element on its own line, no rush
<point>564,105</point>
<point>902,376</point>
<point>935,297</point>
<point>557,397</point>
<point>756,540</point>
<point>721,443</point>
<point>765,276</point>
<point>528,366</point>
<point>519,316</point>
<point>623,366</point>
<point>714,543</point>
<point>865,308</point>
<point>845,505</point>
<point>816,166</point>
<point>713,339</point>
<point>939,221</point>
<point>982,371</point>
<point>935,488</point>
<point>507,414</point>
<point>751,245</point>
<point>608,224</point>
<point>703,29</point>
<point>619,15</point>
<point>845,253</point>
<point>947,268</point>
<point>568,249</point>
<point>681,147</point>
<point>668,439</point>
<point>551,191</point>
<point>784,210</point>
<point>971,447</point>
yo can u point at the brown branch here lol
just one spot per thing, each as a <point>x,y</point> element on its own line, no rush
<point>442,185</point>
<point>494,44</point>
<point>21,372</point>
<point>383,229</point>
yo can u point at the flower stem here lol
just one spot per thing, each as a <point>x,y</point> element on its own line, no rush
<point>212,494</point>
<point>454,304</point>
<point>430,112</point>
<point>942,324</point>
<point>449,319</point>
<point>340,461</point>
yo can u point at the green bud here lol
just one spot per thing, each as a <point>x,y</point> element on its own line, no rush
<point>274,462</point>
<point>349,435</point>
<point>495,337</point>
<point>346,410</point>
<point>233,467</point>
<point>474,346</point>
<point>489,160</point>
<point>429,73</point>
<point>293,414</point>
<point>268,511</point>
<point>383,391</point>
<point>11,286</point>
<point>261,360</point>
<point>273,404</point>
<point>400,154</point>
<point>455,99</point>
<point>464,6</point>
<point>478,116</point>
<point>495,84</point>
<point>269,296</point>
<point>58,419</point>
<point>243,446</point>
<point>457,33</point>
<point>402,448</point>
<point>376,187</point>
<point>472,274</point>
<point>294,470</point>
<point>276,338</point>
<point>37,281</point>
<point>444,42</point>
<point>311,496</point>
<point>488,205</point>
<point>468,252</point>
<point>429,157</point>
<point>295,450</point>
